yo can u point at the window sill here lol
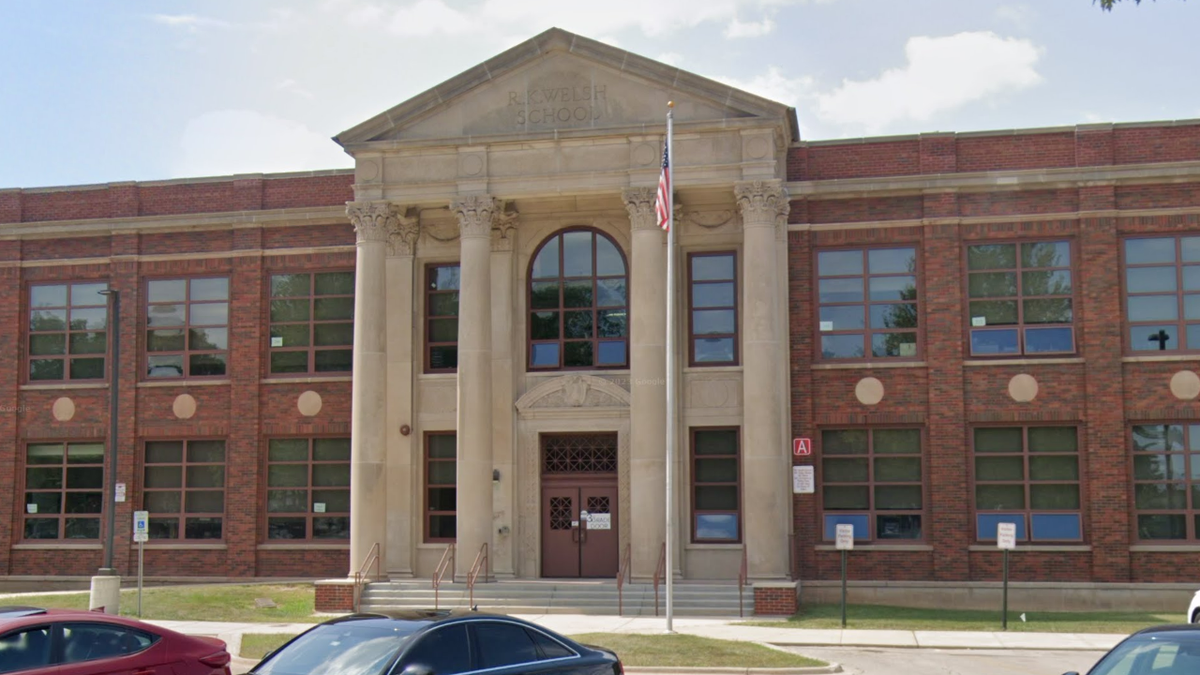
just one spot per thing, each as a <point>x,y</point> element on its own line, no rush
<point>1020,361</point>
<point>724,368</point>
<point>433,546</point>
<point>1036,548</point>
<point>301,379</point>
<point>183,383</point>
<point>708,546</point>
<point>877,547</point>
<point>1165,548</point>
<point>306,546</point>
<point>438,376</point>
<point>180,545</point>
<point>57,546</point>
<point>64,385</point>
<point>869,365</point>
<point>1159,358</point>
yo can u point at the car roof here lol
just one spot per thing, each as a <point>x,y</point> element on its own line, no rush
<point>1181,630</point>
<point>33,615</point>
<point>426,616</point>
<point>19,611</point>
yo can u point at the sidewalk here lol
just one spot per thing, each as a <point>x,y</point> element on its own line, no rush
<point>725,629</point>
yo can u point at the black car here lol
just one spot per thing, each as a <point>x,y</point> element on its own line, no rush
<point>1164,650</point>
<point>445,642</point>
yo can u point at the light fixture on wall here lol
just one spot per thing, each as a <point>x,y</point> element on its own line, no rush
<point>495,475</point>
<point>405,430</point>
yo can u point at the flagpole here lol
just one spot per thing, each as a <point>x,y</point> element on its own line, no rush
<point>670,532</point>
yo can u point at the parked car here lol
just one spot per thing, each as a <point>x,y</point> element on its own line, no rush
<point>73,642</point>
<point>1193,615</point>
<point>435,642</point>
<point>1164,650</point>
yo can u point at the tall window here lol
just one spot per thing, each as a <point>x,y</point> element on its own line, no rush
<point>578,306</point>
<point>184,489</point>
<point>312,322</point>
<point>1021,298</point>
<point>68,332</point>
<point>712,305</point>
<point>187,322</point>
<point>64,490</point>
<point>1162,293</point>
<point>1166,481</point>
<point>867,303</point>
<point>441,318</point>
<point>872,479</point>
<point>716,486</point>
<point>1028,476</point>
<point>308,488</point>
<point>441,495</point>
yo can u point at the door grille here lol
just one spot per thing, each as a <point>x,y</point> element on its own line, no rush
<point>579,453</point>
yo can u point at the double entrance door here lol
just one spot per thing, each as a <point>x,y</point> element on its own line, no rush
<point>579,506</point>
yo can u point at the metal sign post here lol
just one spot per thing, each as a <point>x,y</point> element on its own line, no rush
<point>141,532</point>
<point>845,544</point>
<point>1006,540</point>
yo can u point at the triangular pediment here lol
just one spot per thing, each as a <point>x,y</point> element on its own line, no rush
<point>559,82</point>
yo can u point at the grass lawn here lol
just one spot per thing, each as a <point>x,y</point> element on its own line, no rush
<point>256,645</point>
<point>691,651</point>
<point>907,618</point>
<point>294,603</point>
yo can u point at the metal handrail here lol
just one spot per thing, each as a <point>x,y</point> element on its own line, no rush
<point>447,559</point>
<point>481,562</point>
<point>622,572</point>
<point>659,572</point>
<point>361,575</point>
<point>743,577</point>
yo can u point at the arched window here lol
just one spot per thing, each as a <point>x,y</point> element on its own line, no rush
<point>578,303</point>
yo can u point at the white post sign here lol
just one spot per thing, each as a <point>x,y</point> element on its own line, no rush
<point>141,533</point>
<point>845,537</point>
<point>1006,536</point>
<point>803,482</point>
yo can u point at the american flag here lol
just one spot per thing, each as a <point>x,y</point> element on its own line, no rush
<point>662,205</point>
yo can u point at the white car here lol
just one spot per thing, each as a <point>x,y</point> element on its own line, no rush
<point>1193,615</point>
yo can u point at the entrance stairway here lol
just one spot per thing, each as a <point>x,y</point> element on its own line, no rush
<point>690,598</point>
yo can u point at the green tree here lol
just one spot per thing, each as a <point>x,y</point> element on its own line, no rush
<point>1107,5</point>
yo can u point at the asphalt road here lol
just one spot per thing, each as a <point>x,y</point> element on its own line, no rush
<point>879,661</point>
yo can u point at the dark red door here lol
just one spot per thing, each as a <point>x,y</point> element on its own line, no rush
<point>579,531</point>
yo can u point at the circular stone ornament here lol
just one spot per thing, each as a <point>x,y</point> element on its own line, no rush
<point>1185,385</point>
<point>184,406</point>
<point>63,409</point>
<point>309,403</point>
<point>869,391</point>
<point>1023,388</point>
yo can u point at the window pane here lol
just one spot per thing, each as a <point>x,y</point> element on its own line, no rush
<point>844,442</point>
<point>716,498</point>
<point>44,479</point>
<point>444,277</point>
<point>50,343</point>
<point>892,261</point>
<point>611,323</point>
<point>1159,467</point>
<point>209,313</point>
<point>83,502</point>
<point>48,296</point>
<point>577,294</point>
<point>893,288</point>
<point>838,318</point>
<point>333,309</point>
<point>442,446</point>
<point>545,265</point>
<point>43,369</point>
<point>544,355</point>
<point>994,312</point>
<point>204,502</point>
<point>1158,437</point>
<point>202,528</point>
<point>712,267</point>
<point>88,343</point>
<point>41,528</point>
<point>45,502</point>
<point>1002,439</point>
<point>1046,254</point>
<point>160,501</point>
<point>81,528</point>
<point>578,354</point>
<point>442,499</point>
<point>987,522</point>
<point>440,330</point>
<point>1048,282</point>
<point>88,294</point>
<point>445,356</point>
<point>1158,250</point>
<point>842,346</point>
<point>893,316</point>
<point>205,476</point>
<point>839,263</point>
<point>290,285</point>
<point>287,450</point>
<point>164,476</point>
<point>608,258</point>
<point>717,526</point>
<point>503,644</point>
<point>331,450</point>
<point>609,293</point>
<point>577,254</point>
<point>287,501</point>
<point>859,522</point>
<point>898,497</point>
<point>1053,468</point>
<point>1154,338</point>
<point>709,350</point>
<point>999,468</point>
<point>164,341</point>
<point>716,442</point>
<point>897,526</point>
<point>89,319</point>
<point>48,319</point>
<point>443,473</point>
<point>333,360</point>
<point>897,441</point>
<point>208,339</point>
<point>443,304</point>
<point>334,501</point>
<point>286,528</point>
<point>1154,307</point>
<point>713,295</point>
<point>992,256</point>
<point>289,310</point>
<point>846,497</point>
<point>841,290</point>
<point>994,342</point>
<point>331,474</point>
<point>1191,281</point>
<point>85,453</point>
<point>1150,279</point>
<point>334,527</point>
<point>44,453</point>
<point>334,283</point>
<point>577,325</point>
<point>1160,496</point>
<point>898,469</point>
<point>612,353</point>
<point>206,364</point>
<point>287,475</point>
<point>442,527</point>
<point>1053,439</point>
<point>1049,527</point>
<point>1051,310</point>
<point>210,289</point>
<point>717,470</point>
<point>999,497</point>
<point>289,335</point>
<point>163,528</point>
<point>1162,526</point>
<point>82,478</point>
<point>544,295</point>
<point>720,321</point>
<point>894,344</point>
<point>1061,496</point>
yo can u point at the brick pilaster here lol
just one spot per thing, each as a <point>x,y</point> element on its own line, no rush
<point>10,206</point>
<point>123,277</point>
<point>806,524</point>
<point>247,320</point>
<point>10,402</point>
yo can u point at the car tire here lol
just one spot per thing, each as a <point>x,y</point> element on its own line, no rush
<point>1196,616</point>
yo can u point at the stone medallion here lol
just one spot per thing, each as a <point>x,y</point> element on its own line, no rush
<point>1023,388</point>
<point>184,406</point>
<point>1185,385</point>
<point>869,391</point>
<point>309,403</point>
<point>63,409</point>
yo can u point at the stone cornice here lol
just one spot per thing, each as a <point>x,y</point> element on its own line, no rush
<point>187,222</point>
<point>984,181</point>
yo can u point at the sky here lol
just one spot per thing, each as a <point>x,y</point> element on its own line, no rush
<point>98,91</point>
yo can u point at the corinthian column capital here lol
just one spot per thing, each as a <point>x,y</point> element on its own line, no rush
<point>403,233</point>
<point>372,220</point>
<point>763,203</point>
<point>639,202</point>
<point>504,223</point>
<point>475,213</point>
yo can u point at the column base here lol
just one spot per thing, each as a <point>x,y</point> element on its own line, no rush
<point>105,592</point>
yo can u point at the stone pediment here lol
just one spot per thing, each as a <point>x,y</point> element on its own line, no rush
<point>559,82</point>
<point>574,393</point>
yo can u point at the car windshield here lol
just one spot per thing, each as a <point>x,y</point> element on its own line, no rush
<point>1153,655</point>
<point>346,648</point>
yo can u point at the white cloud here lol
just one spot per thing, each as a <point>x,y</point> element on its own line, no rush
<point>737,29</point>
<point>226,142</point>
<point>190,22</point>
<point>1021,15</point>
<point>291,86</point>
<point>941,74</point>
<point>775,86</point>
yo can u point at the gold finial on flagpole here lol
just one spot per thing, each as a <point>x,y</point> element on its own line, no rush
<point>670,104</point>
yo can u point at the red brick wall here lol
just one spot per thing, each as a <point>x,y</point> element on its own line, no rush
<point>775,601</point>
<point>334,597</point>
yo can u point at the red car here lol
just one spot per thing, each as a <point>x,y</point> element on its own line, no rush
<point>73,642</point>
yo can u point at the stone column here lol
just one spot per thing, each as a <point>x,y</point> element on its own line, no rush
<point>504,555</point>
<point>402,464</point>
<point>474,507</point>
<point>368,486</point>
<point>766,478</point>
<point>647,374</point>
